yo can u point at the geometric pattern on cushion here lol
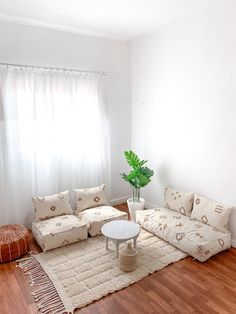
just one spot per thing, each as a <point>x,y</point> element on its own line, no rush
<point>96,217</point>
<point>179,201</point>
<point>90,197</point>
<point>211,213</point>
<point>46,207</point>
<point>193,237</point>
<point>59,231</point>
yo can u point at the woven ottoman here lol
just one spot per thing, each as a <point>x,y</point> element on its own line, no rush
<point>14,242</point>
<point>128,258</point>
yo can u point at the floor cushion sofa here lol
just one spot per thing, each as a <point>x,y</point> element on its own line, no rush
<point>59,231</point>
<point>190,222</point>
<point>56,224</point>
<point>93,207</point>
<point>96,217</point>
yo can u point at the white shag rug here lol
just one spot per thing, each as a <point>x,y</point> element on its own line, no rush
<point>73,276</point>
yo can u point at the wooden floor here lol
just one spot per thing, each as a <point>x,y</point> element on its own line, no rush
<point>187,286</point>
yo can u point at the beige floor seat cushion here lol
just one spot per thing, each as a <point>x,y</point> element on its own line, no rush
<point>59,231</point>
<point>193,237</point>
<point>96,217</point>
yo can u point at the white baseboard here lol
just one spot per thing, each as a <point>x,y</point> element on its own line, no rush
<point>123,199</point>
<point>233,243</point>
<point>150,205</point>
<point>120,200</point>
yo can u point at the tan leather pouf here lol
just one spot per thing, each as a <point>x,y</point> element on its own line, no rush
<point>128,258</point>
<point>14,242</point>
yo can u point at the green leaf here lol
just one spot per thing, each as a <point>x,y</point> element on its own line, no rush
<point>129,178</point>
<point>142,162</point>
<point>124,176</point>
<point>147,172</point>
<point>132,175</point>
<point>132,159</point>
<point>143,180</point>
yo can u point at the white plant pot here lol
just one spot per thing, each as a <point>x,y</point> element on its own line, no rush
<point>133,207</point>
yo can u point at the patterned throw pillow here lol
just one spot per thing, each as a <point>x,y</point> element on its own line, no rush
<point>211,213</point>
<point>51,206</point>
<point>90,197</point>
<point>179,201</point>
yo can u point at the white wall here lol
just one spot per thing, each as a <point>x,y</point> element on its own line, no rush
<point>38,46</point>
<point>184,105</point>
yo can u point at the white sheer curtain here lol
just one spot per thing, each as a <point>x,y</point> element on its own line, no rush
<point>54,136</point>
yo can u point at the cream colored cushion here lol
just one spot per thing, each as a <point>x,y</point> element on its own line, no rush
<point>90,197</point>
<point>59,231</point>
<point>211,213</point>
<point>96,217</point>
<point>179,201</point>
<point>51,206</point>
<point>193,237</point>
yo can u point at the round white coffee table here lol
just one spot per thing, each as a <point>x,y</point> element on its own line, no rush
<point>119,231</point>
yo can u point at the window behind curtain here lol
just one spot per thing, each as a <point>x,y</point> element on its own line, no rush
<point>54,136</point>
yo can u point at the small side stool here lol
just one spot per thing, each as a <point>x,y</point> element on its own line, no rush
<point>14,242</point>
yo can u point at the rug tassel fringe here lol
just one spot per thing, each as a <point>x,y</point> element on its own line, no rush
<point>55,309</point>
<point>42,292</point>
<point>45,294</point>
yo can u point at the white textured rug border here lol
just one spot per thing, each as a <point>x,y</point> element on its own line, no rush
<point>56,294</point>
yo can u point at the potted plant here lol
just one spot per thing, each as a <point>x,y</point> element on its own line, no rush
<point>138,177</point>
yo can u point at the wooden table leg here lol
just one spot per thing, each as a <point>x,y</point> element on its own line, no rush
<point>106,239</point>
<point>135,242</point>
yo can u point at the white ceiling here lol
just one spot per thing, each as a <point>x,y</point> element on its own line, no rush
<point>118,19</point>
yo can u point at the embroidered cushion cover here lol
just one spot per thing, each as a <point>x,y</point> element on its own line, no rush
<point>96,217</point>
<point>211,213</point>
<point>179,201</point>
<point>90,197</point>
<point>193,237</point>
<point>51,206</point>
<point>59,231</point>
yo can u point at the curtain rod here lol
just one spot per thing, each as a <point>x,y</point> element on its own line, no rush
<point>57,69</point>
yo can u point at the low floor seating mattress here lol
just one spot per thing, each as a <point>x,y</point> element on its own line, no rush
<point>199,240</point>
<point>96,217</point>
<point>59,231</point>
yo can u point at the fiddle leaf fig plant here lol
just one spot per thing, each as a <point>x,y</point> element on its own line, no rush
<point>139,176</point>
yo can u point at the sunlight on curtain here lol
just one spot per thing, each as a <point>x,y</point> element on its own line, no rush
<point>54,136</point>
